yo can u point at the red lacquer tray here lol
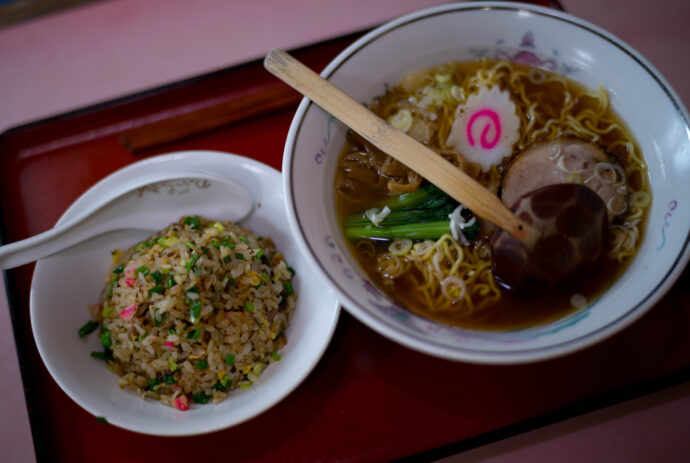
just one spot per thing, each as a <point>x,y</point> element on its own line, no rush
<point>368,399</point>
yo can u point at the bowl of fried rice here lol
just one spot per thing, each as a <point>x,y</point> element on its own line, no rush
<point>192,328</point>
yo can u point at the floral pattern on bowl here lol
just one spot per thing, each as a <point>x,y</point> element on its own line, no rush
<point>526,53</point>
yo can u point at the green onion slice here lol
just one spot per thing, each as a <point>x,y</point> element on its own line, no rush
<point>88,328</point>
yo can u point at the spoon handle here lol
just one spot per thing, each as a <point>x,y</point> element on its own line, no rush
<point>93,223</point>
<point>397,144</point>
<point>73,232</point>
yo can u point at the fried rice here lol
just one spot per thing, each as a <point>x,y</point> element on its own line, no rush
<point>195,311</point>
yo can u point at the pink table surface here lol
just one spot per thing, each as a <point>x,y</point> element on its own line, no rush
<point>115,48</point>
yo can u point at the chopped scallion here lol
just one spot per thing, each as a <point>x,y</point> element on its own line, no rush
<point>106,340</point>
<point>192,262</point>
<point>193,222</point>
<point>155,289</point>
<point>219,386</point>
<point>157,276</point>
<point>108,312</point>
<point>201,398</point>
<point>153,384</point>
<point>101,355</point>
<point>194,311</point>
<point>172,365</point>
<point>258,368</point>
<point>144,270</point>
<point>140,246</point>
<point>88,328</point>
<point>167,242</point>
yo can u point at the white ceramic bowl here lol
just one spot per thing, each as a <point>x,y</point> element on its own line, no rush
<point>558,42</point>
<point>64,284</point>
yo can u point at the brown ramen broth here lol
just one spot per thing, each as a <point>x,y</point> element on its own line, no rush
<point>449,279</point>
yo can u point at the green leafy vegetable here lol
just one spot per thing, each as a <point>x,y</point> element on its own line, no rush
<point>420,215</point>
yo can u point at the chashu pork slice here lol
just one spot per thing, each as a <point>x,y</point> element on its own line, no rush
<point>567,161</point>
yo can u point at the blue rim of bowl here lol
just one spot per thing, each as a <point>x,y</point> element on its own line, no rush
<point>459,353</point>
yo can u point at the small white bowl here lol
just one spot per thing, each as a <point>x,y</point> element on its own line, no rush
<point>555,41</point>
<point>64,284</point>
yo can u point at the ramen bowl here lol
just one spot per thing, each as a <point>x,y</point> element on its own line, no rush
<point>548,39</point>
